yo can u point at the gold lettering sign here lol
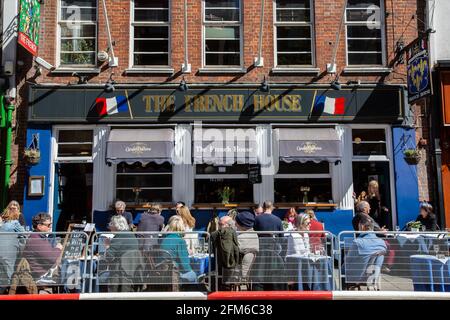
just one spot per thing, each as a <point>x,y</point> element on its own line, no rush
<point>159,103</point>
<point>277,102</point>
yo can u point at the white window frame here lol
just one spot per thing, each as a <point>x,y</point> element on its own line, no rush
<point>58,40</point>
<point>74,159</point>
<point>296,23</point>
<point>150,23</point>
<point>226,24</point>
<point>378,157</point>
<point>383,39</point>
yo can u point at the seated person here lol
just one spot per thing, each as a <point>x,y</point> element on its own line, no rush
<point>176,246</point>
<point>426,217</point>
<point>39,251</point>
<point>315,239</point>
<point>362,250</point>
<point>248,242</point>
<point>120,210</point>
<point>151,221</point>
<point>362,209</point>
<point>298,242</point>
<point>289,219</point>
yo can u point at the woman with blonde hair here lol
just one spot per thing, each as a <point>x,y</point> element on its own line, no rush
<point>13,207</point>
<point>377,212</point>
<point>298,242</point>
<point>189,225</point>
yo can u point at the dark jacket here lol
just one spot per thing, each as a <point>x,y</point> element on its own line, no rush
<point>121,243</point>
<point>357,218</point>
<point>40,254</point>
<point>176,246</point>
<point>429,222</point>
<point>227,245</point>
<point>268,222</point>
<point>149,223</point>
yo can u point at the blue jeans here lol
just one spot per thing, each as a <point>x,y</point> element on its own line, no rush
<point>189,276</point>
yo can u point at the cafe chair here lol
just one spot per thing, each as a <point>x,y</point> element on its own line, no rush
<point>22,278</point>
<point>243,276</point>
<point>372,275</point>
<point>162,273</point>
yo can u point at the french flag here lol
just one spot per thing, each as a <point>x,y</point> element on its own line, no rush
<point>108,106</point>
<point>333,106</point>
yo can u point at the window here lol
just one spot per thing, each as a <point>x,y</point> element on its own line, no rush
<point>365,32</point>
<point>293,178</point>
<point>150,33</point>
<point>75,143</point>
<point>210,179</point>
<point>78,32</point>
<point>222,33</point>
<point>293,33</point>
<point>367,142</point>
<point>144,183</point>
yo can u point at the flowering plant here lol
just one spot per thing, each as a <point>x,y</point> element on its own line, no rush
<point>225,194</point>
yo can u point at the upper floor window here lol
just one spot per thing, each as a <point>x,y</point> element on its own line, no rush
<point>365,32</point>
<point>75,143</point>
<point>222,33</point>
<point>150,33</point>
<point>77,32</point>
<point>294,33</point>
<point>369,142</point>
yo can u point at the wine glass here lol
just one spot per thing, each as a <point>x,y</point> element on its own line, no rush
<point>397,228</point>
<point>424,228</point>
<point>436,249</point>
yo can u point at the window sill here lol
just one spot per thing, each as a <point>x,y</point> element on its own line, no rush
<point>222,70</point>
<point>77,70</point>
<point>313,71</point>
<point>366,70</point>
<point>149,70</point>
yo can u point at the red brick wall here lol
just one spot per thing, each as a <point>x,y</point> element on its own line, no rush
<point>400,24</point>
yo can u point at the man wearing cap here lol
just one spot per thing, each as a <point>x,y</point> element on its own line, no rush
<point>248,241</point>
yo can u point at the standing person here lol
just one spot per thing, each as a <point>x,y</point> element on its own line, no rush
<point>179,204</point>
<point>289,219</point>
<point>426,217</point>
<point>13,207</point>
<point>377,212</point>
<point>267,221</point>
<point>258,210</point>
<point>120,210</point>
<point>189,225</point>
<point>315,239</point>
<point>151,221</point>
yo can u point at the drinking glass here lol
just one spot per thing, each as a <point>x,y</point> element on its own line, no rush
<point>397,228</point>
<point>436,249</point>
<point>423,228</point>
<point>27,228</point>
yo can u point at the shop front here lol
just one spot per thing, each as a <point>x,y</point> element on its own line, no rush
<point>219,148</point>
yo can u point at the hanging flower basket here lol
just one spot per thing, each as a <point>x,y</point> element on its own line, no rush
<point>32,156</point>
<point>412,156</point>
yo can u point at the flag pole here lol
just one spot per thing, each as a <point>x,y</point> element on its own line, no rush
<point>129,106</point>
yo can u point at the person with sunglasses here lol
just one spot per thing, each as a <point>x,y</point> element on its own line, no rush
<point>298,242</point>
<point>426,217</point>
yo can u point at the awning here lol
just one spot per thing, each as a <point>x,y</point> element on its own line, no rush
<point>308,144</point>
<point>225,146</point>
<point>140,145</point>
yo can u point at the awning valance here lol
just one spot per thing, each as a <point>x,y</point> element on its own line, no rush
<point>225,146</point>
<point>140,145</point>
<point>308,144</point>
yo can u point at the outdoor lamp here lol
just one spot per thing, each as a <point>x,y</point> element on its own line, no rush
<point>183,86</point>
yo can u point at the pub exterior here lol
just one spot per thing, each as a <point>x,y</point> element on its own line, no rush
<point>283,128</point>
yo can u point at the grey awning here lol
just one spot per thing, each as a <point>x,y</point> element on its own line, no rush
<point>309,144</point>
<point>140,145</point>
<point>224,146</point>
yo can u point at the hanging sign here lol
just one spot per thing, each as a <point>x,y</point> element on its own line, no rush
<point>29,21</point>
<point>419,84</point>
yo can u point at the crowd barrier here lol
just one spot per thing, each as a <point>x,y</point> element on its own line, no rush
<point>118,263</point>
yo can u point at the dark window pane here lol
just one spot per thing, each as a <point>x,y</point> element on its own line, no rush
<point>151,15</point>
<point>222,46</point>
<point>74,150</point>
<point>80,30</point>
<point>143,181</point>
<point>294,59</point>
<point>78,45</point>
<point>222,3</point>
<point>365,15</point>
<point>293,32</point>
<point>206,190</point>
<point>362,3</point>
<point>75,136</point>
<point>139,168</point>
<point>151,46</point>
<point>79,3</point>
<point>151,59</point>
<point>367,135</point>
<point>84,14</point>
<point>293,4</point>
<point>151,3</point>
<point>213,59</point>
<point>367,149</point>
<point>145,195</point>
<point>369,141</point>
<point>222,15</point>
<point>304,168</point>
<point>294,15</point>
<point>364,58</point>
<point>210,169</point>
<point>288,190</point>
<point>151,32</point>
<point>78,58</point>
<point>293,45</point>
<point>364,45</point>
<point>362,32</point>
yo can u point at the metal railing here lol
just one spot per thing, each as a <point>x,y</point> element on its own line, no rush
<point>394,261</point>
<point>42,260</point>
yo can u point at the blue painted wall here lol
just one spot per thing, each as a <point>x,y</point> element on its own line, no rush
<point>406,182</point>
<point>33,205</point>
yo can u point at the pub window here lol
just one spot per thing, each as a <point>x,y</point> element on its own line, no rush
<point>294,179</point>
<point>222,33</point>
<point>75,143</point>
<point>209,180</point>
<point>294,33</point>
<point>367,142</point>
<point>365,32</point>
<point>150,33</point>
<point>137,183</point>
<point>77,33</point>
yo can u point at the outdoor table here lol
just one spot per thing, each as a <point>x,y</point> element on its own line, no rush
<point>430,273</point>
<point>312,270</point>
<point>200,263</point>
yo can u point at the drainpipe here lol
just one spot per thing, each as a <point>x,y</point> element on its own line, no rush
<point>7,162</point>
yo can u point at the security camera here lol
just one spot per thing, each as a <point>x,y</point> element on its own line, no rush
<point>44,63</point>
<point>8,68</point>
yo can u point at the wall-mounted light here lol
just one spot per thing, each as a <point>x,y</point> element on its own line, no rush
<point>183,85</point>
<point>335,84</point>
<point>265,85</point>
